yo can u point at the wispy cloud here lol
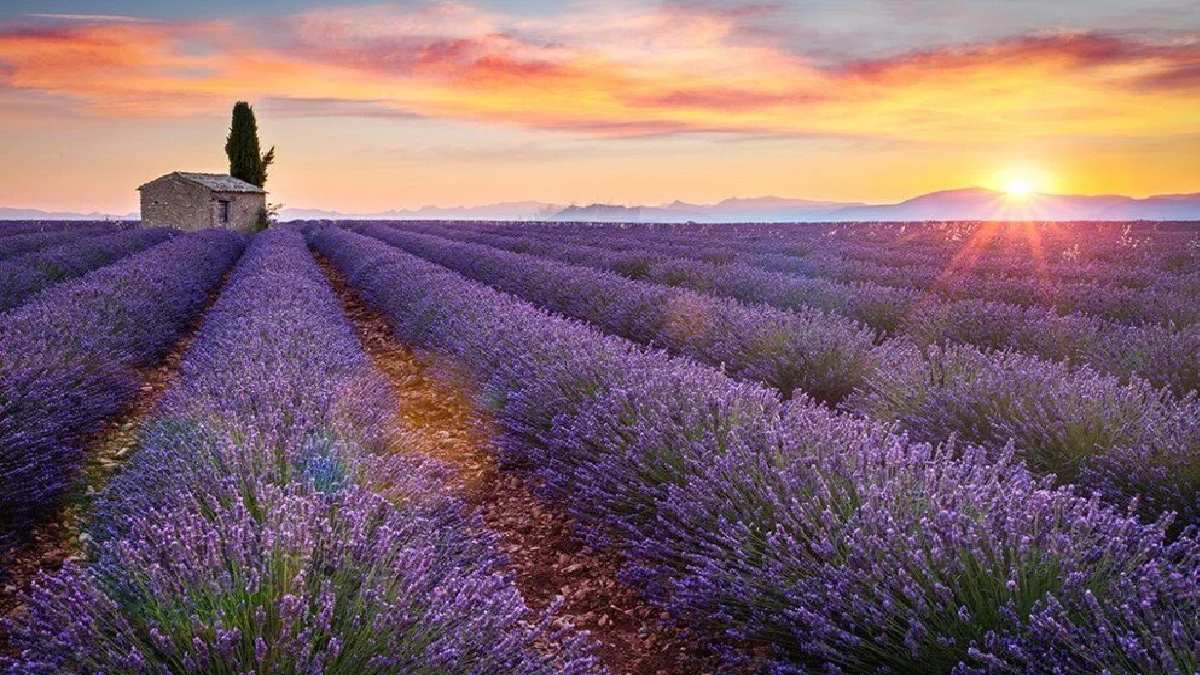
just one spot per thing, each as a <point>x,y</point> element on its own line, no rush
<point>291,106</point>
<point>92,18</point>
<point>1066,51</point>
<point>605,70</point>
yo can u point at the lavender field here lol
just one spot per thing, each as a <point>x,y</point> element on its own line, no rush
<point>545,447</point>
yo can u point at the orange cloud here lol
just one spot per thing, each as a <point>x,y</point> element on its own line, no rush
<point>614,72</point>
<point>114,68</point>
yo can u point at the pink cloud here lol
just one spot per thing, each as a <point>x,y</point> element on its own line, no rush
<point>724,99</point>
<point>1072,51</point>
<point>596,70</point>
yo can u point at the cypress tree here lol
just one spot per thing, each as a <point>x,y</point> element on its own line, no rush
<point>245,159</point>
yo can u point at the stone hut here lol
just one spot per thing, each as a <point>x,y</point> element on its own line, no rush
<point>197,201</point>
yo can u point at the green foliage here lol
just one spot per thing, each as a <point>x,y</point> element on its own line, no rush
<point>246,160</point>
<point>260,223</point>
<point>266,217</point>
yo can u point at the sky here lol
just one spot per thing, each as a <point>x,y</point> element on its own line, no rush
<point>404,104</point>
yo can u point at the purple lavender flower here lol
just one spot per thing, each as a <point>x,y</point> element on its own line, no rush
<point>69,358</point>
<point>24,275</point>
<point>19,241</point>
<point>267,524</point>
<point>1059,417</point>
<point>834,542</point>
<point>810,351</point>
<point>1160,353</point>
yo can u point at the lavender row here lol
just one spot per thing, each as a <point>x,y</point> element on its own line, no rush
<point>1168,300</point>
<point>1122,304</point>
<point>883,308</point>
<point>11,227</point>
<point>1165,300</point>
<point>723,243</point>
<point>24,275</point>
<point>1020,249</point>
<point>1065,260</point>
<point>1160,299</point>
<point>1159,354</point>
<point>828,541</point>
<point>265,525</point>
<point>1130,255</point>
<point>1077,424</point>
<point>70,360</point>
<point>20,244</point>
<point>809,350</point>
<point>1073,248</point>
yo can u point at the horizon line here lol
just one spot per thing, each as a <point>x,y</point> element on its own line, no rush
<point>659,204</point>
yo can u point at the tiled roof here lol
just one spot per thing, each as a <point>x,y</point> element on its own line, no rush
<point>217,182</point>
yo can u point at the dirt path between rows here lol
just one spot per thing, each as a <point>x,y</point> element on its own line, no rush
<point>546,562</point>
<point>104,452</point>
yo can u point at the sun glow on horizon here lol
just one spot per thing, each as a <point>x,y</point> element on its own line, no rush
<point>376,106</point>
<point>1019,188</point>
<point>1021,183</point>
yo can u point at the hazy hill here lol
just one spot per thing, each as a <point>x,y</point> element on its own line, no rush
<point>38,214</point>
<point>963,204</point>
<point>981,204</point>
<point>498,211</point>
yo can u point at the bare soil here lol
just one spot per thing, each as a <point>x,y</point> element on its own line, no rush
<point>439,416</point>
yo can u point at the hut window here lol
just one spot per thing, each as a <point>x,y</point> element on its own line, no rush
<point>224,211</point>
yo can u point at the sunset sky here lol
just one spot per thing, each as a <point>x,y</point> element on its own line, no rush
<point>449,103</point>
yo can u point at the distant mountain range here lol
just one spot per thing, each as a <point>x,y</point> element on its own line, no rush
<point>980,204</point>
<point>964,204</point>
<point>498,211</point>
<point>38,214</point>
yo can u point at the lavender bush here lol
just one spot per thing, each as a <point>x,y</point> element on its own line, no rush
<point>299,581</point>
<point>808,350</point>
<point>265,524</point>
<point>880,307</point>
<point>26,242</point>
<point>1162,468</point>
<point>1160,354</point>
<point>897,558</point>
<point>24,275</point>
<point>1059,417</point>
<point>10,227</point>
<point>70,358</point>
<point>1165,300</point>
<point>984,255</point>
<point>223,423</point>
<point>833,542</point>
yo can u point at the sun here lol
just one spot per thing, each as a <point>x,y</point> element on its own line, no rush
<point>1019,187</point>
<point>1021,183</point>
